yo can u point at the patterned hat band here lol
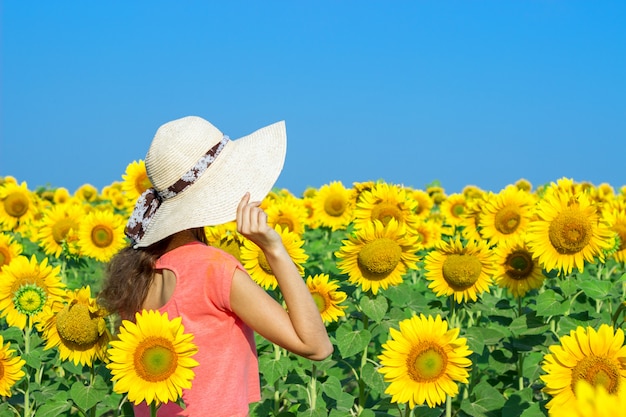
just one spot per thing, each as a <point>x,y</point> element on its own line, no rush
<point>151,199</point>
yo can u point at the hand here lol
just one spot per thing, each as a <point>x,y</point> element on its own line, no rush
<point>252,224</point>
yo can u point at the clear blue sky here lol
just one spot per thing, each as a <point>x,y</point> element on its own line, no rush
<point>464,92</point>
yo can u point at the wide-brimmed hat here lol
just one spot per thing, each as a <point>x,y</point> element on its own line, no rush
<point>199,176</point>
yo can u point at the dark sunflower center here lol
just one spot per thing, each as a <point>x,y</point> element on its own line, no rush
<point>76,325</point>
<point>286,223</point>
<point>598,371</point>
<point>155,359</point>
<point>427,362</point>
<point>379,258</point>
<point>102,236</point>
<point>386,212</point>
<point>461,271</point>
<point>30,299</point>
<point>62,228</point>
<point>457,210</point>
<point>335,205</point>
<point>507,220</point>
<point>16,204</point>
<point>519,265</point>
<point>570,231</point>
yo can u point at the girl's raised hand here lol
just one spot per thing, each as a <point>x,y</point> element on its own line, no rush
<point>252,223</point>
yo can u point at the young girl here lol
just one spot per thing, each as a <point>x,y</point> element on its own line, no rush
<point>202,178</point>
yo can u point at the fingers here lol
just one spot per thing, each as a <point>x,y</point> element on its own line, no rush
<point>250,217</point>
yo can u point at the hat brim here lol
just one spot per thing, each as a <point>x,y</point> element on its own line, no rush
<point>251,164</point>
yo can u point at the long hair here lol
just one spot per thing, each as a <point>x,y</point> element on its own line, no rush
<point>130,273</point>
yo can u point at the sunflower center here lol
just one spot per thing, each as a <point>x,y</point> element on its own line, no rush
<point>142,183</point>
<point>427,362</point>
<point>155,359</point>
<point>16,204</point>
<point>461,271</point>
<point>457,210</point>
<point>320,301</point>
<point>30,299</point>
<point>519,265</point>
<point>286,223</point>
<point>598,371</point>
<point>75,324</point>
<point>335,206</point>
<point>102,236</point>
<point>61,229</point>
<point>386,212</point>
<point>265,266</point>
<point>379,258</point>
<point>570,231</point>
<point>507,220</point>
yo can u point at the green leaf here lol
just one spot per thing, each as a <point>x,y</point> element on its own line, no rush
<point>528,324</point>
<point>87,396</point>
<point>595,288</point>
<point>517,403</point>
<point>350,342</point>
<point>332,387</point>
<point>479,337</point>
<point>272,368</point>
<point>549,303</point>
<point>375,308</point>
<point>373,379</point>
<point>52,408</point>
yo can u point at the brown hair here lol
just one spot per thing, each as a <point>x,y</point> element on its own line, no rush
<point>129,275</point>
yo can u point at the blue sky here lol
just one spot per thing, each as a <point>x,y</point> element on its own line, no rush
<point>461,92</point>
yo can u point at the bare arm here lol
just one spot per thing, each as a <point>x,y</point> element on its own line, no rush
<point>300,328</point>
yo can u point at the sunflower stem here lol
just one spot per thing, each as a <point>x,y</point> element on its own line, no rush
<point>313,387</point>
<point>448,406</point>
<point>27,331</point>
<point>153,409</point>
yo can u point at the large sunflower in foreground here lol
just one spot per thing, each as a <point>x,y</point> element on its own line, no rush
<point>598,357</point>
<point>333,206</point>
<point>424,361</point>
<point>10,368</point>
<point>255,262</point>
<point>152,360</point>
<point>327,297</point>
<point>26,288</point>
<point>592,401</point>
<point>377,256</point>
<point>384,201</point>
<point>77,327</point>
<point>516,268</point>
<point>101,235</point>
<point>506,214</point>
<point>568,232</point>
<point>463,270</point>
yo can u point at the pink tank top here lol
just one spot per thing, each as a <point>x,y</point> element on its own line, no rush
<point>227,377</point>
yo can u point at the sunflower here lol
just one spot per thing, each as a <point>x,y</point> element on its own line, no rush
<point>424,361</point>
<point>9,249</point>
<point>289,213</point>
<point>516,268</point>
<point>377,256</point>
<point>425,203</point>
<point>152,360</point>
<point>616,218</point>
<point>592,401</point>
<point>136,180</point>
<point>334,205</point>
<point>429,234</point>
<point>59,226</point>
<point>458,269</point>
<point>61,195</point>
<point>567,232</point>
<point>26,287</point>
<point>226,238</point>
<point>383,202</point>
<point>77,327</point>
<point>598,357</point>
<point>17,206</point>
<point>86,193</point>
<point>506,214</point>
<point>327,297</point>
<point>101,235</point>
<point>254,261</point>
<point>10,368</point>
<point>453,209</point>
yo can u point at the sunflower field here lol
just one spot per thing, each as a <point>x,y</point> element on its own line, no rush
<point>483,303</point>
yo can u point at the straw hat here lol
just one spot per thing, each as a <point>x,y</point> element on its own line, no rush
<point>199,176</point>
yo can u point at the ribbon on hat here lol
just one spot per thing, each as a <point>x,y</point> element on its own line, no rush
<point>150,200</point>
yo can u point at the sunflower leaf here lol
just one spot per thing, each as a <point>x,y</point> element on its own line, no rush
<point>595,288</point>
<point>375,307</point>
<point>87,396</point>
<point>351,342</point>
<point>53,408</point>
<point>549,303</point>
